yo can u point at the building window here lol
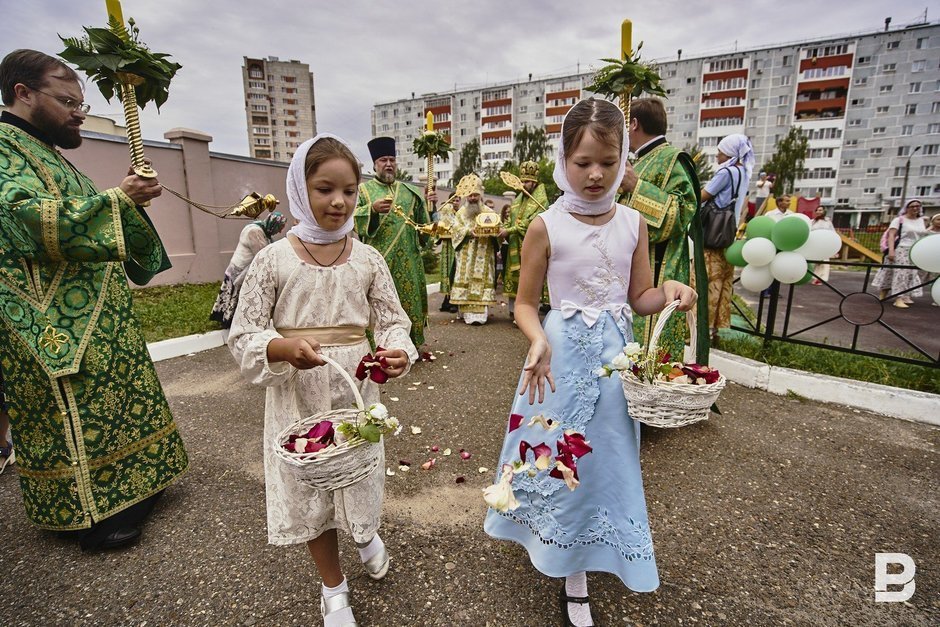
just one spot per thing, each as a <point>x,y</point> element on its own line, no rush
<point>915,88</point>
<point>857,122</point>
<point>889,67</point>
<point>690,80</point>
<point>934,128</point>
<point>919,66</point>
<point>878,130</point>
<point>864,60</point>
<point>861,81</point>
<point>856,102</point>
<point>783,100</point>
<point>842,201</point>
<point>903,151</point>
<point>874,152</point>
<point>921,43</point>
<point>935,107</point>
<point>781,120</point>
<point>871,171</point>
<point>848,162</point>
<point>892,45</point>
<point>787,60</point>
<point>689,99</point>
<point>923,190</point>
<point>907,129</point>
<point>845,181</point>
<point>910,109</point>
<point>754,102</point>
<point>868,191</point>
<point>851,142</point>
<point>881,109</point>
<point>928,170</point>
<point>931,149</point>
<point>886,89</point>
<point>754,83</point>
<point>785,80</point>
<point>895,192</point>
<point>688,116</point>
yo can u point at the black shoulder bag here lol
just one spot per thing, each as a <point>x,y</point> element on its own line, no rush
<point>718,224</point>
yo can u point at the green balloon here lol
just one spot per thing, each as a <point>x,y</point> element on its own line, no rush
<point>806,278</point>
<point>733,254</point>
<point>789,233</point>
<point>761,226</point>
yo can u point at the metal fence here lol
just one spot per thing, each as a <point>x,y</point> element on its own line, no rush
<point>774,319</point>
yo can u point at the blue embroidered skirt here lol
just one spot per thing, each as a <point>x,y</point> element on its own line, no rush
<point>602,525</point>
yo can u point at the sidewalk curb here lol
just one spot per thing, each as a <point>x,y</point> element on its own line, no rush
<point>189,344</point>
<point>901,403</point>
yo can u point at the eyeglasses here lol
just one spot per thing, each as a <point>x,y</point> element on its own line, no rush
<point>71,104</point>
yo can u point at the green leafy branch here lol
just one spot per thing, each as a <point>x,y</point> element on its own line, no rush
<point>107,59</point>
<point>431,144</point>
<point>612,80</point>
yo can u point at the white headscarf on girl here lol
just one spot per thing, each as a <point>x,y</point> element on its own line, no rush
<point>739,148</point>
<point>308,229</point>
<point>572,201</point>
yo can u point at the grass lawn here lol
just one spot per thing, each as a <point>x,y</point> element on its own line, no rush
<point>174,311</point>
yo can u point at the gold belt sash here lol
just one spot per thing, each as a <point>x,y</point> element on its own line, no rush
<point>345,335</point>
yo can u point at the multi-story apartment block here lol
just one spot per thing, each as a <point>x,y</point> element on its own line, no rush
<point>868,103</point>
<point>279,106</point>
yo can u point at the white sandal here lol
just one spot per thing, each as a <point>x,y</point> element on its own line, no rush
<point>337,612</point>
<point>377,565</point>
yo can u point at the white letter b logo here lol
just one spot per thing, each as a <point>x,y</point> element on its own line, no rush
<point>904,578</point>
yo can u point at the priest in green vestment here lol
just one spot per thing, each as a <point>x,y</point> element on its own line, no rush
<point>474,287</point>
<point>663,187</point>
<point>521,213</point>
<point>95,440</point>
<point>445,224</point>
<point>380,224</point>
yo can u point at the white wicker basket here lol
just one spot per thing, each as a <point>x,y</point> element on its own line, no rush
<point>334,467</point>
<point>665,404</point>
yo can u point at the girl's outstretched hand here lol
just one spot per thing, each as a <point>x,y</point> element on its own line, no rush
<point>674,290</point>
<point>537,371</point>
<point>302,353</point>
<point>397,361</point>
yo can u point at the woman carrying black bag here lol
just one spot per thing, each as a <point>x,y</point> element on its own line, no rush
<point>722,199</point>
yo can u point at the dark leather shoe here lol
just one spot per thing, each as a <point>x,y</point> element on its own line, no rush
<point>125,536</point>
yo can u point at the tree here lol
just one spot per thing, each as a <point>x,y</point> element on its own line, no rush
<point>703,169</point>
<point>402,175</point>
<point>531,144</point>
<point>787,163</point>
<point>469,160</point>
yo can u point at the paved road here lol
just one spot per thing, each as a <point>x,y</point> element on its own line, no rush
<point>814,303</point>
<point>768,515</point>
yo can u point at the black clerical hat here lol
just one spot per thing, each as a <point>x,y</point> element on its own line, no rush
<point>381,147</point>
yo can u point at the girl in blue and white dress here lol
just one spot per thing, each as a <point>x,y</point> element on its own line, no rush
<point>594,254</point>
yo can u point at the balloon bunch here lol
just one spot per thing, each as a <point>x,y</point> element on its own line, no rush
<point>780,250</point>
<point>925,254</point>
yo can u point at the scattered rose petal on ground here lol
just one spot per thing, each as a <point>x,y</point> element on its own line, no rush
<point>389,472</point>
<point>428,465</point>
<point>435,448</point>
<point>459,479</point>
<point>404,468</point>
<point>464,454</point>
<point>393,398</point>
<point>430,387</point>
<point>404,462</point>
<point>446,452</point>
<point>444,367</point>
<point>415,430</point>
<point>412,389</point>
<point>483,470</point>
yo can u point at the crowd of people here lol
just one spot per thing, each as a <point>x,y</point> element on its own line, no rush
<point>97,444</point>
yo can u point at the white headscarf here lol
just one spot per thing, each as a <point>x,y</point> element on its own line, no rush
<point>739,148</point>
<point>571,200</point>
<point>308,229</point>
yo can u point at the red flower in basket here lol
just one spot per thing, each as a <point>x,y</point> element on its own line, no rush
<point>320,436</point>
<point>371,367</point>
<point>696,372</point>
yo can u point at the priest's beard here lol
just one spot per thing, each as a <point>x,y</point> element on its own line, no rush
<point>385,177</point>
<point>61,135</point>
<point>473,209</point>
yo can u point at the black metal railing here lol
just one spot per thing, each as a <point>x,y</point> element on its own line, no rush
<point>858,308</point>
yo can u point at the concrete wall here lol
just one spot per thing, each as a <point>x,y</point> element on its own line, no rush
<point>199,245</point>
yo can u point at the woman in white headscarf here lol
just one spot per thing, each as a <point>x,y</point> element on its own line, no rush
<point>729,183</point>
<point>314,293</point>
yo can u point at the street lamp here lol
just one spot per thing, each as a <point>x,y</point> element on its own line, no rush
<point>907,169</point>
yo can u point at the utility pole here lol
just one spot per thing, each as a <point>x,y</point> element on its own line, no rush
<point>907,170</point>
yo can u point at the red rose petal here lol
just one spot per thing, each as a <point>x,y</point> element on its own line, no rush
<point>515,420</point>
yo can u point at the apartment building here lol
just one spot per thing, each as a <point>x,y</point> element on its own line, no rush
<point>869,104</point>
<point>279,106</point>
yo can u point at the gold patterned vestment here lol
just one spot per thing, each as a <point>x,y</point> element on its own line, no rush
<point>93,431</point>
<point>475,276</point>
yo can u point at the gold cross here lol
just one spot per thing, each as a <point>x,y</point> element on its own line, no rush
<point>53,340</point>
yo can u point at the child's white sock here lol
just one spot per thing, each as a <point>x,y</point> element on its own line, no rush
<point>332,592</point>
<point>576,586</point>
<point>372,549</point>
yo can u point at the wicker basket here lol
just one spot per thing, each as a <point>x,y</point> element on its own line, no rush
<point>665,404</point>
<point>334,467</point>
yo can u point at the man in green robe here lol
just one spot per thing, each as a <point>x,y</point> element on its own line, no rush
<point>474,288</point>
<point>521,213</point>
<point>445,225</point>
<point>384,203</point>
<point>95,441</point>
<point>663,187</point>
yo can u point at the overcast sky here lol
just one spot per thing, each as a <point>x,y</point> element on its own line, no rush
<point>367,51</point>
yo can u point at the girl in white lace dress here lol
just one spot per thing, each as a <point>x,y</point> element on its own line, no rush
<point>594,255</point>
<point>316,292</point>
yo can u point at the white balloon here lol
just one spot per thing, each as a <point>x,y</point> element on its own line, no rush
<point>756,278</point>
<point>759,251</point>
<point>820,245</point>
<point>925,254</point>
<point>935,291</point>
<point>788,267</point>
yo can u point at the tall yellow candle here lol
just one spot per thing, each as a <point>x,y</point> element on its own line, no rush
<point>626,39</point>
<point>114,10</point>
<point>430,121</point>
